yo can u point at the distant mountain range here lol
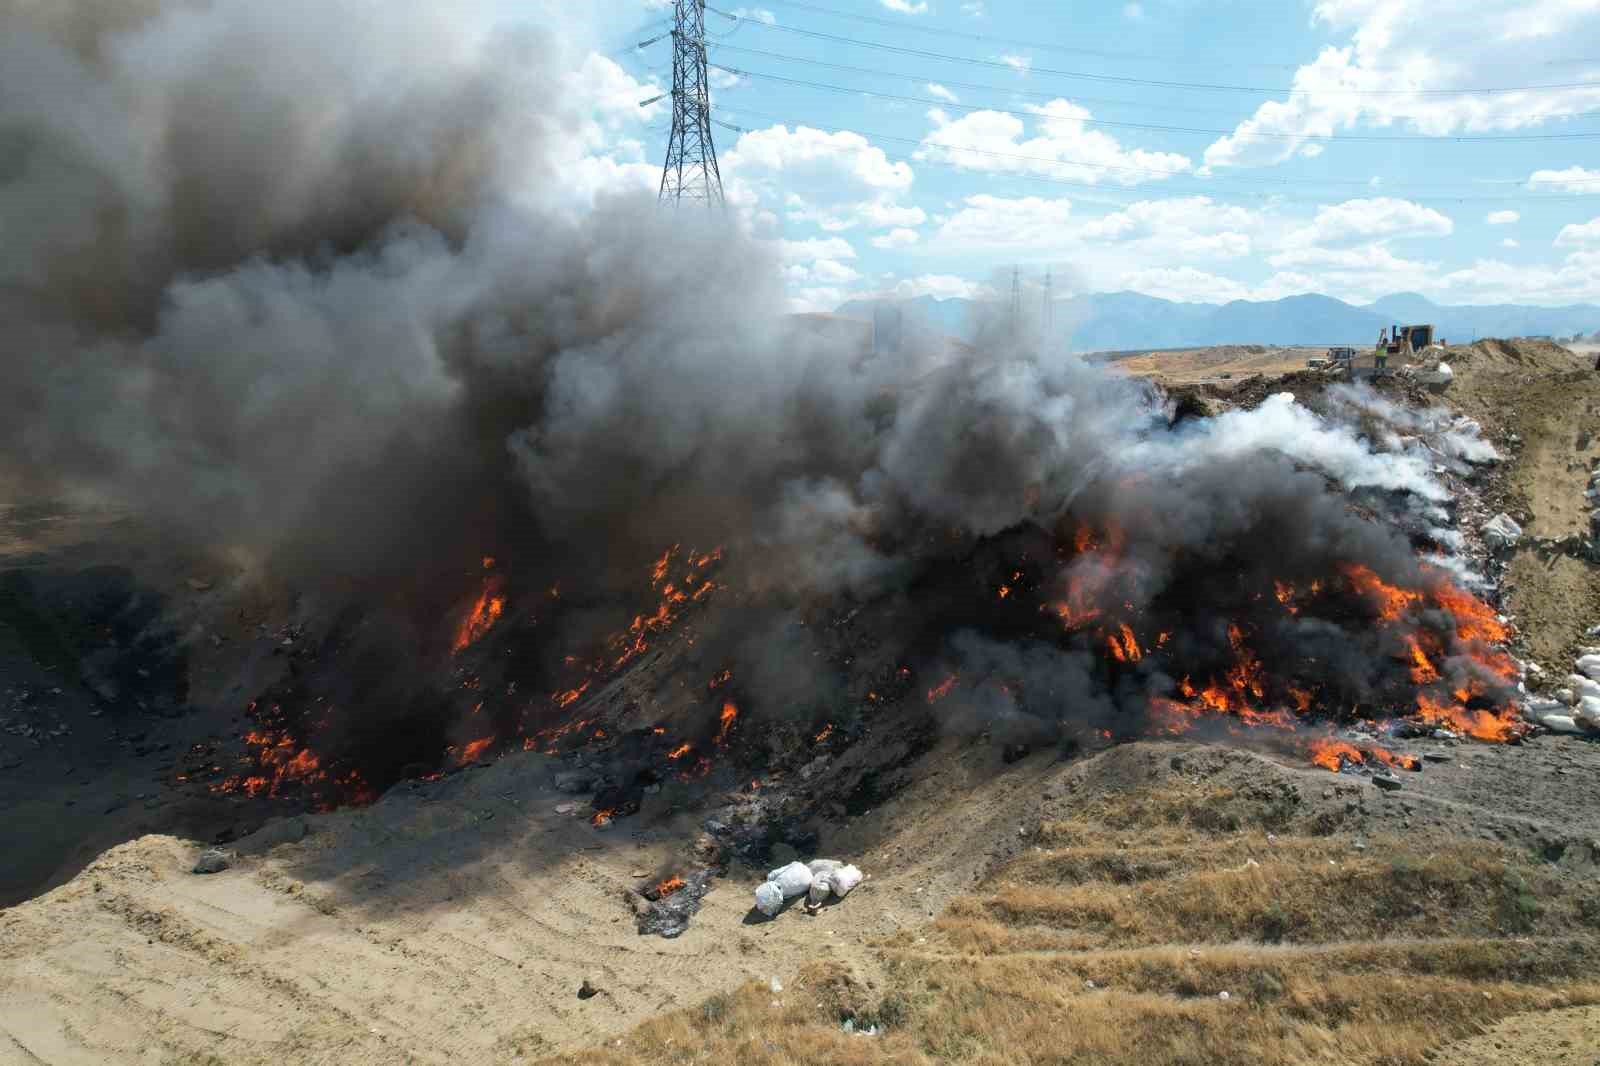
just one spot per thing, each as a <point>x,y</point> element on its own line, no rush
<point>1120,321</point>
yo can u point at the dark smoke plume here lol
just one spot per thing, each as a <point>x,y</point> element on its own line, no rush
<point>300,279</point>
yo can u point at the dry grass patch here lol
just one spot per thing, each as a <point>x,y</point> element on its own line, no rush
<point>1116,937</point>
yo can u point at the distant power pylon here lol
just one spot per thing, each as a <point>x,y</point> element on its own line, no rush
<point>1049,303</point>
<point>1016,300</point>
<point>691,170</point>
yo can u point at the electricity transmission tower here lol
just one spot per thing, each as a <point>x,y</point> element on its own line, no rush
<point>1016,300</point>
<point>691,170</point>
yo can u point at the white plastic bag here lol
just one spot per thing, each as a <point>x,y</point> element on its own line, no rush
<point>769,898</point>
<point>818,893</point>
<point>792,880</point>
<point>845,878</point>
<point>1589,666</point>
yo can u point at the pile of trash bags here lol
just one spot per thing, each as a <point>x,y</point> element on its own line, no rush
<point>817,880</point>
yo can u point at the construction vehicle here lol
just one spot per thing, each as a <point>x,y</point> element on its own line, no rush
<point>1336,359</point>
<point>1403,342</point>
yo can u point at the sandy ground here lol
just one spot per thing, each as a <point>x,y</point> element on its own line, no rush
<point>454,919</point>
<point>1191,366</point>
<point>458,918</point>
<point>1557,1038</point>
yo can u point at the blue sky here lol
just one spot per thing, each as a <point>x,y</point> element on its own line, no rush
<point>935,143</point>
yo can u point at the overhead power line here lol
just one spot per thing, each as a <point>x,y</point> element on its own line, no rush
<point>1162,128</point>
<point>1038,94</point>
<point>902,25</point>
<point>1152,172</point>
<point>1122,79</point>
<point>1216,189</point>
<point>1008,90</point>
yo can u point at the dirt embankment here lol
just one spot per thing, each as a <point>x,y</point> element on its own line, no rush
<point>458,918</point>
<point>1540,404</point>
<point>1219,363</point>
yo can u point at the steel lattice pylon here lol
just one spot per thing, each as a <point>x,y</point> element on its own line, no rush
<point>691,170</point>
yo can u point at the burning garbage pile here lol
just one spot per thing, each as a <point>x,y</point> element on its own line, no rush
<point>480,431</point>
<point>1297,608</point>
<point>664,906</point>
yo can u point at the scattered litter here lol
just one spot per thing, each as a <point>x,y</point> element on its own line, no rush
<point>1222,996</point>
<point>1501,531</point>
<point>213,861</point>
<point>665,909</point>
<point>586,990</point>
<point>775,984</point>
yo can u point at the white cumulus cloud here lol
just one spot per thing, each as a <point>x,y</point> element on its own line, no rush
<point>810,251</point>
<point>1501,218</point>
<point>805,152</point>
<point>1580,234</point>
<point>1380,217</point>
<point>1397,52</point>
<point>897,238</point>
<point>1572,179</point>
<point>1061,145</point>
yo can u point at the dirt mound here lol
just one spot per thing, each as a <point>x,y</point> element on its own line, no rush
<point>1188,365</point>
<point>1521,352</point>
<point>1540,404</point>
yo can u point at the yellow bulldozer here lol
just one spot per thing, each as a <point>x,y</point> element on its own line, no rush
<point>1400,343</point>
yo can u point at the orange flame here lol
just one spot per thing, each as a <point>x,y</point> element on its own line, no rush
<point>1127,650</point>
<point>486,611</point>
<point>567,698</point>
<point>942,689</point>
<point>1334,755</point>
<point>1331,754</point>
<point>1483,725</point>
<point>476,748</point>
<point>669,886</point>
<point>1423,672</point>
<point>1475,620</point>
<point>1391,600</point>
<point>729,714</point>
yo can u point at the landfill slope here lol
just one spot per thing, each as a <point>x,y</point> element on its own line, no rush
<point>455,918</point>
